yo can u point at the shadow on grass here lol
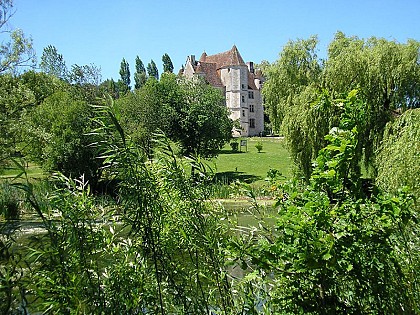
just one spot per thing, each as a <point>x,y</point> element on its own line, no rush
<point>230,152</point>
<point>229,177</point>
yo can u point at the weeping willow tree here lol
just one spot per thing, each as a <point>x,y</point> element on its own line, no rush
<point>293,83</point>
<point>398,159</point>
<point>385,73</point>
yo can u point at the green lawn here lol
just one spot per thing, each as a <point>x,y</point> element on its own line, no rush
<point>247,165</point>
<point>251,166</point>
<point>10,171</point>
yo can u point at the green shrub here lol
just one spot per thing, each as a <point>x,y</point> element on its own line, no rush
<point>234,145</point>
<point>10,201</point>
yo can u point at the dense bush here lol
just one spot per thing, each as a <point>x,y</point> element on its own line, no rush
<point>56,137</point>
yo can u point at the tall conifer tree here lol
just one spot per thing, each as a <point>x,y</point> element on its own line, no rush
<point>152,70</point>
<point>167,63</point>
<point>140,75</point>
<point>125,75</point>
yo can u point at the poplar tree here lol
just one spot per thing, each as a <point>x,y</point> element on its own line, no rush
<point>140,76</point>
<point>125,76</point>
<point>152,70</point>
<point>167,64</point>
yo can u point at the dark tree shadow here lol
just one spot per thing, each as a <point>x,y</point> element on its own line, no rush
<point>227,151</point>
<point>229,177</point>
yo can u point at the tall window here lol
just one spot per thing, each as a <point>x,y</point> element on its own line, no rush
<point>252,123</point>
<point>251,108</point>
<point>243,112</point>
<point>243,99</point>
<point>251,94</point>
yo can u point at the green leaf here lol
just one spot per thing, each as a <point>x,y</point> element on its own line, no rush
<point>327,256</point>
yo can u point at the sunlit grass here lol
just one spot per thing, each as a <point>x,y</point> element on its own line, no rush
<point>10,171</point>
<point>251,166</point>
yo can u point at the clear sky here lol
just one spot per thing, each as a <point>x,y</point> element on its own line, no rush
<point>102,32</point>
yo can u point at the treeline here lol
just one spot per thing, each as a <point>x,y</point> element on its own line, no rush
<point>49,117</point>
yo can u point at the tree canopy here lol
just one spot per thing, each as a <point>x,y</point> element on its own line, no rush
<point>144,113</point>
<point>191,113</point>
<point>56,137</point>
<point>204,123</point>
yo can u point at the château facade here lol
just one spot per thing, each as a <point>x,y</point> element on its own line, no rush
<point>240,83</point>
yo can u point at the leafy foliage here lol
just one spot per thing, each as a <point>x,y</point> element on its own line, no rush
<point>177,232</point>
<point>145,112</point>
<point>336,248</point>
<point>190,113</point>
<point>15,98</point>
<point>18,52</point>
<point>163,256</point>
<point>204,124</point>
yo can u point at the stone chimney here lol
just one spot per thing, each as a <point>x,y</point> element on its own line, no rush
<point>192,59</point>
<point>250,66</point>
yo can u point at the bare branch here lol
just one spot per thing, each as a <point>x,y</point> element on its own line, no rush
<point>6,11</point>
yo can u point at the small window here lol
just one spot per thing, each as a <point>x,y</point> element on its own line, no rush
<point>243,99</point>
<point>243,86</point>
<point>243,112</point>
<point>251,108</point>
<point>252,123</point>
<point>251,94</point>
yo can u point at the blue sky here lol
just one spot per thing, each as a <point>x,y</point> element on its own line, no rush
<point>103,32</point>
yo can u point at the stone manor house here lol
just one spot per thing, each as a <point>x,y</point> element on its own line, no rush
<point>240,83</point>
